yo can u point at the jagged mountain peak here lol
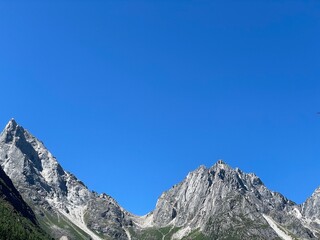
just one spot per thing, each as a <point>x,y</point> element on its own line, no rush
<point>12,131</point>
<point>221,165</point>
<point>229,175</point>
<point>220,162</point>
<point>11,124</point>
<point>13,127</point>
<point>217,199</point>
<point>51,190</point>
<point>208,192</point>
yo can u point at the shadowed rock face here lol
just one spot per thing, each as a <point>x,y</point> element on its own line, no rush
<point>218,202</point>
<point>10,194</point>
<point>17,220</point>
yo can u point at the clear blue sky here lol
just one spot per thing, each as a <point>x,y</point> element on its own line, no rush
<point>132,95</point>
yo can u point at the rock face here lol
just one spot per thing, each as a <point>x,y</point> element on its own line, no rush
<point>311,208</point>
<point>210,203</point>
<point>9,193</point>
<point>62,203</point>
<point>17,220</point>
<point>222,202</point>
<point>311,211</point>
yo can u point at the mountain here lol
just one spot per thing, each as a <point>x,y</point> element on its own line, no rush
<point>17,221</point>
<point>65,207</point>
<point>210,203</point>
<point>225,203</point>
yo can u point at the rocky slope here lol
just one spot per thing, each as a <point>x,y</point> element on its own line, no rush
<point>210,203</point>
<point>17,221</point>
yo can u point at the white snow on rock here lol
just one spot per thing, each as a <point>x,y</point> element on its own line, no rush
<point>282,234</point>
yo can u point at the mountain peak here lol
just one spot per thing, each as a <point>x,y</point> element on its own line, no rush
<point>220,164</point>
<point>12,124</point>
<point>46,185</point>
<point>11,131</point>
<point>220,161</point>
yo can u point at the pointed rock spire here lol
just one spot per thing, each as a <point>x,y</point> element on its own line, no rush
<point>11,130</point>
<point>220,164</point>
<point>11,125</point>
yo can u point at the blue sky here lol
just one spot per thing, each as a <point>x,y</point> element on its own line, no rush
<point>132,95</point>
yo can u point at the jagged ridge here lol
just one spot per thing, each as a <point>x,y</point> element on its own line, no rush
<point>211,203</point>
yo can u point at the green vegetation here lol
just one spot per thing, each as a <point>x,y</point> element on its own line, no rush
<point>14,226</point>
<point>51,222</point>
<point>240,228</point>
<point>196,235</point>
<point>154,233</point>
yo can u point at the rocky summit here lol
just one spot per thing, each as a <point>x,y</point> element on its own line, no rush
<point>210,203</point>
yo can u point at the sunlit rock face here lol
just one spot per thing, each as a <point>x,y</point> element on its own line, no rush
<point>224,202</point>
<point>210,203</point>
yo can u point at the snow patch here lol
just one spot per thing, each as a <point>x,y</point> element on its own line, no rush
<point>282,234</point>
